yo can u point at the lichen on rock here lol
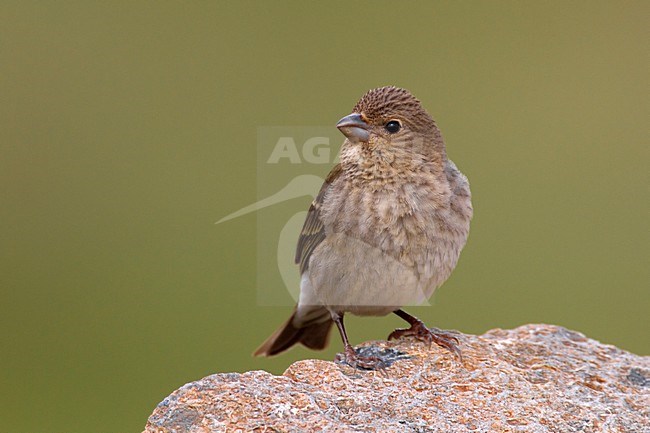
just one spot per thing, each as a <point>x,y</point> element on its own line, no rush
<point>535,378</point>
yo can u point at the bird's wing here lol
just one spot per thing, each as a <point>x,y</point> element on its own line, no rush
<point>313,232</point>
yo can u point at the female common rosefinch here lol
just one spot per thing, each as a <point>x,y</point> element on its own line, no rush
<point>385,230</point>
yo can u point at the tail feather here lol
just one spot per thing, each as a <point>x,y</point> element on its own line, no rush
<point>313,334</point>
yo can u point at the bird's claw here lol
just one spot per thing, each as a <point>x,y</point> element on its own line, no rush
<point>354,360</point>
<point>428,335</point>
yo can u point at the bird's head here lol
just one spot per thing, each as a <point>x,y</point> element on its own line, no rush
<point>390,119</point>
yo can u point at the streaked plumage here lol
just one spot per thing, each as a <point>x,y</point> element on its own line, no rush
<point>386,228</point>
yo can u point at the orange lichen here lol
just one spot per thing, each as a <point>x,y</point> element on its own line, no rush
<point>536,378</point>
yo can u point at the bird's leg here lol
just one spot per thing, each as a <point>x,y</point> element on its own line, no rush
<point>351,357</point>
<point>419,330</point>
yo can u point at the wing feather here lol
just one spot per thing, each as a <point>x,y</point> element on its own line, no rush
<point>313,231</point>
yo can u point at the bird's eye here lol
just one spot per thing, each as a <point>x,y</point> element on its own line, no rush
<point>393,126</point>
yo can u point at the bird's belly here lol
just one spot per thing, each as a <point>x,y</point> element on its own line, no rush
<point>348,275</point>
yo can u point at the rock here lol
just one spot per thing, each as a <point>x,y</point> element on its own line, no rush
<point>536,378</point>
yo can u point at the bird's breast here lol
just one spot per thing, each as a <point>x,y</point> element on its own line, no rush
<point>413,222</point>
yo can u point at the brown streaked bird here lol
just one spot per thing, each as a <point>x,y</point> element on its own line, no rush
<point>385,230</point>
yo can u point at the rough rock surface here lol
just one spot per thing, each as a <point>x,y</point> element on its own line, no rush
<point>536,378</point>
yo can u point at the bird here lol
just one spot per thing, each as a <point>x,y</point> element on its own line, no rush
<point>385,230</point>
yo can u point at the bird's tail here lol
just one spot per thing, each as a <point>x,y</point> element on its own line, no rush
<point>311,330</point>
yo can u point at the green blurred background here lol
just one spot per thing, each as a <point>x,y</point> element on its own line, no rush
<point>128,128</point>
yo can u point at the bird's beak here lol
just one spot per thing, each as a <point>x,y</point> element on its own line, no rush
<point>354,127</point>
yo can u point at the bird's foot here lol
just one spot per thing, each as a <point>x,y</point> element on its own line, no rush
<point>354,360</point>
<point>419,331</point>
